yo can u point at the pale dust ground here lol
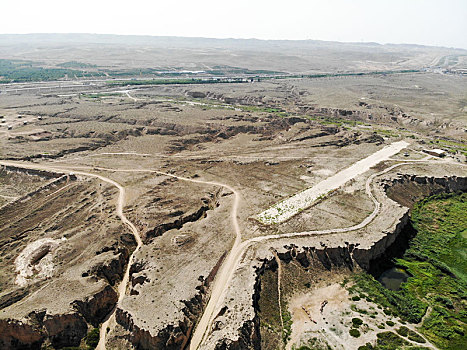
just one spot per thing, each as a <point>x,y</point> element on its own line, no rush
<point>333,324</point>
<point>337,298</point>
<point>26,267</point>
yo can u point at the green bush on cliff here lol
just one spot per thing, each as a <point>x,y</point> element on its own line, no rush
<point>92,339</point>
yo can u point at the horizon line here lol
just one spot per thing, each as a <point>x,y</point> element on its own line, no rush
<point>234,38</point>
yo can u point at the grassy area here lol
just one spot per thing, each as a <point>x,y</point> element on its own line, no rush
<point>99,95</point>
<point>451,146</point>
<point>356,74</point>
<point>436,260</point>
<point>287,319</point>
<point>386,133</point>
<point>391,341</point>
<point>92,339</point>
<point>314,344</point>
<point>76,64</point>
<point>13,71</point>
<point>276,111</point>
<point>270,317</point>
<point>325,120</point>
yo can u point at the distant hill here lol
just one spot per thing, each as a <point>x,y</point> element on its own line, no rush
<point>296,56</point>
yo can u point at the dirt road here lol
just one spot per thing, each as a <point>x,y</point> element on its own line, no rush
<point>227,270</point>
<point>119,209</point>
<point>223,276</point>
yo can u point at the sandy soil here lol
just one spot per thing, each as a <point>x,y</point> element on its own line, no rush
<point>36,259</point>
<point>331,325</point>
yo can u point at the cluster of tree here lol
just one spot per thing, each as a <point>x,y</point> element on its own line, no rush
<point>76,64</point>
<point>12,71</point>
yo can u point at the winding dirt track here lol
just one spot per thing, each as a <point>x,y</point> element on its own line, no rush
<point>238,249</point>
<point>221,282</point>
<point>119,209</point>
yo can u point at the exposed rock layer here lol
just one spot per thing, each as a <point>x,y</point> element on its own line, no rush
<point>405,189</point>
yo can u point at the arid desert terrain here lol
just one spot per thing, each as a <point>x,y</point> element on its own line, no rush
<point>177,193</point>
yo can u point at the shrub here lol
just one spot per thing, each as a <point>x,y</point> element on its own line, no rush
<point>445,301</point>
<point>354,333</point>
<point>92,339</point>
<point>390,323</point>
<point>355,298</point>
<point>356,322</point>
<point>404,331</point>
<point>390,340</point>
<point>416,337</point>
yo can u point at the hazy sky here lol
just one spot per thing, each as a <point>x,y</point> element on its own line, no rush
<point>429,22</point>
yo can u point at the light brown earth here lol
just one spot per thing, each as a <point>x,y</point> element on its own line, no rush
<point>151,230</point>
<point>333,323</point>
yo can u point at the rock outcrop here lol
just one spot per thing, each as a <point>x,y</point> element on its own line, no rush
<point>59,329</point>
<point>65,329</point>
<point>96,307</point>
<point>172,335</point>
<point>234,327</point>
<point>17,334</point>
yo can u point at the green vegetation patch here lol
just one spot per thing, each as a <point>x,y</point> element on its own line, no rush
<point>184,81</point>
<point>287,319</point>
<point>451,146</point>
<point>92,339</point>
<point>13,71</point>
<point>270,317</point>
<point>389,340</point>
<point>76,64</point>
<point>404,331</point>
<point>357,322</point>
<point>328,120</point>
<point>387,132</point>
<point>98,95</point>
<point>437,263</point>
<point>416,337</point>
<point>314,344</point>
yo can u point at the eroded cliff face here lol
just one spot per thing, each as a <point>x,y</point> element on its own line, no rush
<point>237,330</point>
<point>174,334</point>
<point>56,318</point>
<point>96,307</point>
<point>17,334</point>
<point>407,189</point>
<point>65,329</point>
<point>58,329</point>
<point>170,337</point>
<point>69,259</point>
<point>248,337</point>
<point>373,113</point>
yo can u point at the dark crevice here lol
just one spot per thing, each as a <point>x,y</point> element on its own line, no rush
<point>395,251</point>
